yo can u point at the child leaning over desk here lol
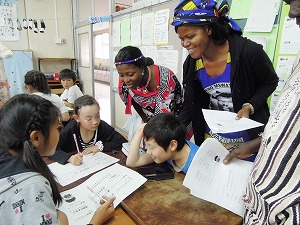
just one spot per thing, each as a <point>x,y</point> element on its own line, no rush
<point>86,133</point>
<point>29,130</point>
<point>165,141</point>
<point>67,79</point>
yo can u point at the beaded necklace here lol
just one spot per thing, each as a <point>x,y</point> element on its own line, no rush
<point>144,89</point>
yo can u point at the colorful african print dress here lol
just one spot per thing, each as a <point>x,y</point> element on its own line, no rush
<point>167,97</point>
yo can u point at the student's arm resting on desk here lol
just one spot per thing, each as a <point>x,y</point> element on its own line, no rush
<point>68,104</point>
<point>244,150</point>
<point>66,146</point>
<point>61,156</point>
<point>134,159</point>
<point>76,159</point>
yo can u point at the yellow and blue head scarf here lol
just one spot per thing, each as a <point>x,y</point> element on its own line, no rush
<point>202,12</point>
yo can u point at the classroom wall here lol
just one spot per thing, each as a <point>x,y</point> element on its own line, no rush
<point>43,44</point>
<point>269,36</point>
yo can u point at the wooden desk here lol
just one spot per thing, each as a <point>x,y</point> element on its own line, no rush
<point>120,217</point>
<point>166,202</point>
<point>169,202</point>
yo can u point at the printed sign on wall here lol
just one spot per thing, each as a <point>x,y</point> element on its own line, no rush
<point>8,21</point>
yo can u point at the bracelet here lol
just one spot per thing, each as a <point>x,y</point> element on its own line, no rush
<point>99,144</point>
<point>250,106</point>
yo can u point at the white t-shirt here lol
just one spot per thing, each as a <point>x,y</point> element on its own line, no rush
<point>71,94</point>
<point>55,99</point>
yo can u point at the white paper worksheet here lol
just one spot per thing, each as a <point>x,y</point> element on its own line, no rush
<point>69,173</point>
<point>81,202</point>
<point>225,122</point>
<point>209,179</point>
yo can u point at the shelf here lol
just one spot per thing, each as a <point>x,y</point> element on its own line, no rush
<point>72,62</point>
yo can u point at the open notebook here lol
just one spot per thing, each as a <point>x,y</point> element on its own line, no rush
<point>125,149</point>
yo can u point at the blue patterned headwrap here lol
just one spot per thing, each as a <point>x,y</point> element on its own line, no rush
<point>202,12</point>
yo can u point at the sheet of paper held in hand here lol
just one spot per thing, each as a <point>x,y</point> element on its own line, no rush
<point>225,122</point>
<point>69,173</point>
<point>209,179</point>
<point>81,202</point>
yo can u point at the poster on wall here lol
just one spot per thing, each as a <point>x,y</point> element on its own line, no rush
<point>8,21</point>
<point>16,67</point>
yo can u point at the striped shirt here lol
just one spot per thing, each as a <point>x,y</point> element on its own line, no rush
<point>273,190</point>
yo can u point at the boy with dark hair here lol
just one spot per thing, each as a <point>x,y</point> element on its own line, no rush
<point>165,140</point>
<point>67,79</point>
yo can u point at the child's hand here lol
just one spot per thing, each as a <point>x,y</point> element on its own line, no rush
<point>76,160</point>
<point>89,150</point>
<point>141,127</point>
<point>105,211</point>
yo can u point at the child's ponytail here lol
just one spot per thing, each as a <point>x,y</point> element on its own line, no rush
<point>32,158</point>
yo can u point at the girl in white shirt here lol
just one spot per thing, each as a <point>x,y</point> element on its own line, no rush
<point>36,83</point>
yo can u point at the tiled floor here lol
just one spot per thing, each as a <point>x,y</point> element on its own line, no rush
<point>102,95</point>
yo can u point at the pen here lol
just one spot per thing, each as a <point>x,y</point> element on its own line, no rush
<point>151,175</point>
<point>95,193</point>
<point>233,147</point>
<point>74,135</point>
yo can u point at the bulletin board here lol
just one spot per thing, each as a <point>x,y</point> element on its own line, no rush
<point>287,47</point>
<point>137,28</point>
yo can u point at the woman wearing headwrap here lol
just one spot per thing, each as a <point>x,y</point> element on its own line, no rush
<point>149,88</point>
<point>221,62</point>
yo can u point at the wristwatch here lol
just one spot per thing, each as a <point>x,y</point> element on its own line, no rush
<point>250,106</point>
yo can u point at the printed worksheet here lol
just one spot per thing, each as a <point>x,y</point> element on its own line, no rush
<point>209,179</point>
<point>225,122</point>
<point>81,202</point>
<point>69,173</point>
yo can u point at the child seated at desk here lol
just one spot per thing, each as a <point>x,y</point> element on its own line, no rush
<point>67,79</point>
<point>29,130</point>
<point>86,133</point>
<point>36,83</point>
<point>165,141</point>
